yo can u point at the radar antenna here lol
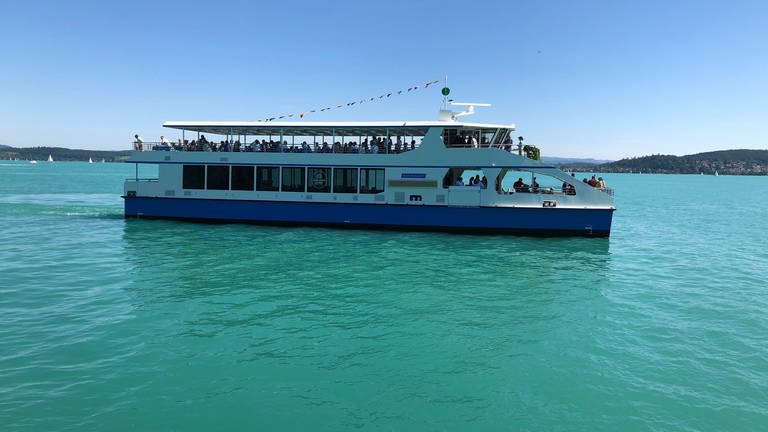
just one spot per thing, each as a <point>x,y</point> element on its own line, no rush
<point>450,115</point>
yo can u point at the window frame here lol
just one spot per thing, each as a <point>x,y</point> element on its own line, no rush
<point>293,179</point>
<point>365,173</point>
<point>212,177</point>
<point>186,177</point>
<point>346,185</point>
<point>241,186</point>
<point>274,179</point>
<point>314,171</point>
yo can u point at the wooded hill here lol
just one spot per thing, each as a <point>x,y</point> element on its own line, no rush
<point>734,162</point>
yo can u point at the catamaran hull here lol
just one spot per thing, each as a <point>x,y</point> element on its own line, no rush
<point>491,220</point>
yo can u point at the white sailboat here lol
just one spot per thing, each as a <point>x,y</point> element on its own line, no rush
<point>90,160</point>
<point>50,159</point>
<point>716,174</point>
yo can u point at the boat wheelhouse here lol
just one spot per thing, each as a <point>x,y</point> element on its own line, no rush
<point>440,175</point>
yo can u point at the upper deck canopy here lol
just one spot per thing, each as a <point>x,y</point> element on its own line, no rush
<point>326,128</point>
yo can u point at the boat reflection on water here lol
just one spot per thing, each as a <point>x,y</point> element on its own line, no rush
<point>174,259</point>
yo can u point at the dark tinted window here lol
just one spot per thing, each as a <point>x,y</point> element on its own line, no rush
<point>218,177</point>
<point>371,180</point>
<point>319,179</point>
<point>345,180</point>
<point>293,179</point>
<point>267,178</point>
<point>194,177</point>
<point>242,178</point>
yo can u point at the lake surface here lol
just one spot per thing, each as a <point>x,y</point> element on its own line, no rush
<point>113,324</point>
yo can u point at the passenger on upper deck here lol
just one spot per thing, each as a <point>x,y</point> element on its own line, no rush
<point>600,183</point>
<point>460,182</point>
<point>592,182</point>
<point>139,143</point>
<point>507,143</point>
<point>484,183</point>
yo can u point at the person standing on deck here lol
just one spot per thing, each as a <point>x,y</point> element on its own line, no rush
<point>139,143</point>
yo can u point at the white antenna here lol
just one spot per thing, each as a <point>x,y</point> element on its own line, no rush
<point>450,115</point>
<point>445,94</point>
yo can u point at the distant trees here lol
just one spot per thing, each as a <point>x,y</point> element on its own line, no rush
<point>740,162</point>
<point>61,154</point>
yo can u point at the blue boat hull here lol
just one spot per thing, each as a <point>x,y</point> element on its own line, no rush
<point>525,221</point>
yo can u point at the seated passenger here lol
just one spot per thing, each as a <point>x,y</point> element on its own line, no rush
<point>460,181</point>
<point>592,182</point>
<point>484,183</point>
<point>600,183</point>
<point>535,185</point>
<point>165,142</point>
<point>520,186</point>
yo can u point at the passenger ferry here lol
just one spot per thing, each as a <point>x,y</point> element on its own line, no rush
<point>444,175</point>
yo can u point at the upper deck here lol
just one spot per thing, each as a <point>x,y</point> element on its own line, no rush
<point>327,128</point>
<point>390,137</point>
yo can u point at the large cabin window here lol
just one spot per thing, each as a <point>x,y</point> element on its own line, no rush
<point>513,181</point>
<point>194,177</point>
<point>242,178</point>
<point>318,179</point>
<point>371,180</point>
<point>218,177</point>
<point>345,180</point>
<point>293,179</point>
<point>267,178</point>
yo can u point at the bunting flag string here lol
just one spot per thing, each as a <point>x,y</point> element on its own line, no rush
<point>349,104</point>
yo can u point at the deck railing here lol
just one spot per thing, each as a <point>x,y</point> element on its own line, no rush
<point>270,148</point>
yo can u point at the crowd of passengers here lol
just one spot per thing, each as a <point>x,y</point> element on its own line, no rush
<point>475,181</point>
<point>521,187</point>
<point>372,146</point>
<point>470,140</point>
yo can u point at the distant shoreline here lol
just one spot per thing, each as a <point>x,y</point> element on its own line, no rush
<point>61,154</point>
<point>722,162</point>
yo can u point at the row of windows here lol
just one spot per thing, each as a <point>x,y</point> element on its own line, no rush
<point>293,179</point>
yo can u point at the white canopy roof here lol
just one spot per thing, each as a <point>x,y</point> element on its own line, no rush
<point>325,128</point>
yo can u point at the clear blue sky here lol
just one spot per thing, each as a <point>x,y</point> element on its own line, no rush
<point>603,79</point>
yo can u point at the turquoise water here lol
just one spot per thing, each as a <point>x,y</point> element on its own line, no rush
<point>108,324</point>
